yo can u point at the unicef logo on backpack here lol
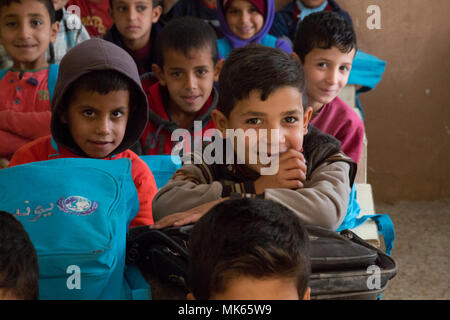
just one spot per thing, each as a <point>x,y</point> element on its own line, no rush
<point>77,205</point>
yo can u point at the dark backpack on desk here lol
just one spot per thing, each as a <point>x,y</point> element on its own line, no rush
<point>343,265</point>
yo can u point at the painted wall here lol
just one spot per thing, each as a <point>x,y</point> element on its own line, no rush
<point>408,115</point>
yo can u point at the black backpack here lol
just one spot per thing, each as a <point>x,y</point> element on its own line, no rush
<point>343,266</point>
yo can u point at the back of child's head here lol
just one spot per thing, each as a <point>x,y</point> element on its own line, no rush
<point>47,3</point>
<point>254,238</point>
<point>257,67</point>
<point>19,272</point>
<point>324,30</point>
<point>183,35</point>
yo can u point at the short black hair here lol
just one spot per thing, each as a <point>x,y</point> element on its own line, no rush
<point>324,30</point>
<point>184,34</point>
<point>155,3</point>
<point>256,67</point>
<point>252,237</point>
<point>47,3</point>
<point>19,271</point>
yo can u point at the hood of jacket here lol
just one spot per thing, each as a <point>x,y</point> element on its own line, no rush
<point>90,55</point>
<point>234,40</point>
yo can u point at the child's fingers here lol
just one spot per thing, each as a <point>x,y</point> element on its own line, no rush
<point>168,221</point>
<point>294,174</point>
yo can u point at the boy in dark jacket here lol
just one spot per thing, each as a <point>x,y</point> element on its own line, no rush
<point>287,18</point>
<point>135,29</point>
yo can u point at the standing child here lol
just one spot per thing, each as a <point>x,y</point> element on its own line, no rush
<point>187,66</point>
<point>261,90</point>
<point>249,249</point>
<point>27,27</point>
<point>135,29</point>
<point>286,20</point>
<point>99,111</point>
<point>19,270</point>
<point>325,44</point>
<point>247,21</point>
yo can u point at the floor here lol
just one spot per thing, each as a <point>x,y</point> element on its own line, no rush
<point>421,250</point>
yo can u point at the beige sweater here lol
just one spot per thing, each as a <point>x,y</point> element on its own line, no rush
<point>323,200</point>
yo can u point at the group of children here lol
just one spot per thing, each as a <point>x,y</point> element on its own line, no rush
<point>104,104</point>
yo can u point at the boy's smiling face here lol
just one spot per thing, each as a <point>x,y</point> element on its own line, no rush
<point>282,110</point>
<point>244,19</point>
<point>26,32</point>
<point>188,78</point>
<point>134,19</point>
<point>326,72</point>
<point>97,122</point>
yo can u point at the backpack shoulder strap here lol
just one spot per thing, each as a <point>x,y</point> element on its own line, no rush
<point>2,73</point>
<point>224,47</point>
<point>52,77</point>
<point>269,41</point>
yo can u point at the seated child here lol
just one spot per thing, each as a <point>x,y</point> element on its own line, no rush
<point>249,249</point>
<point>203,9</point>
<point>187,66</point>
<point>28,28</point>
<point>19,271</point>
<point>286,20</point>
<point>94,15</point>
<point>99,110</point>
<point>71,32</point>
<point>325,44</point>
<point>261,90</point>
<point>135,29</point>
<point>247,21</point>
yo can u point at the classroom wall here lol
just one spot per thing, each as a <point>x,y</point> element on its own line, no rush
<point>408,115</point>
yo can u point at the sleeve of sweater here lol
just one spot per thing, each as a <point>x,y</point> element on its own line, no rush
<point>10,143</point>
<point>189,187</point>
<point>30,125</point>
<point>146,189</point>
<point>324,198</point>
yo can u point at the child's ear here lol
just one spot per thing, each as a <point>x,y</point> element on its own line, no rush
<point>296,57</point>
<point>307,114</point>
<point>220,121</point>
<point>159,74</point>
<point>54,31</point>
<point>63,117</point>
<point>218,69</point>
<point>307,295</point>
<point>156,13</point>
<point>190,296</point>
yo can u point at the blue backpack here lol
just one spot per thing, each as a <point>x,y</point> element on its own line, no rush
<point>162,166</point>
<point>224,46</point>
<point>77,213</point>
<point>51,81</point>
<point>367,71</point>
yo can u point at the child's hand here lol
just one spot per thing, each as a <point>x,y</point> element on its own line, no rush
<point>186,217</point>
<point>291,173</point>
